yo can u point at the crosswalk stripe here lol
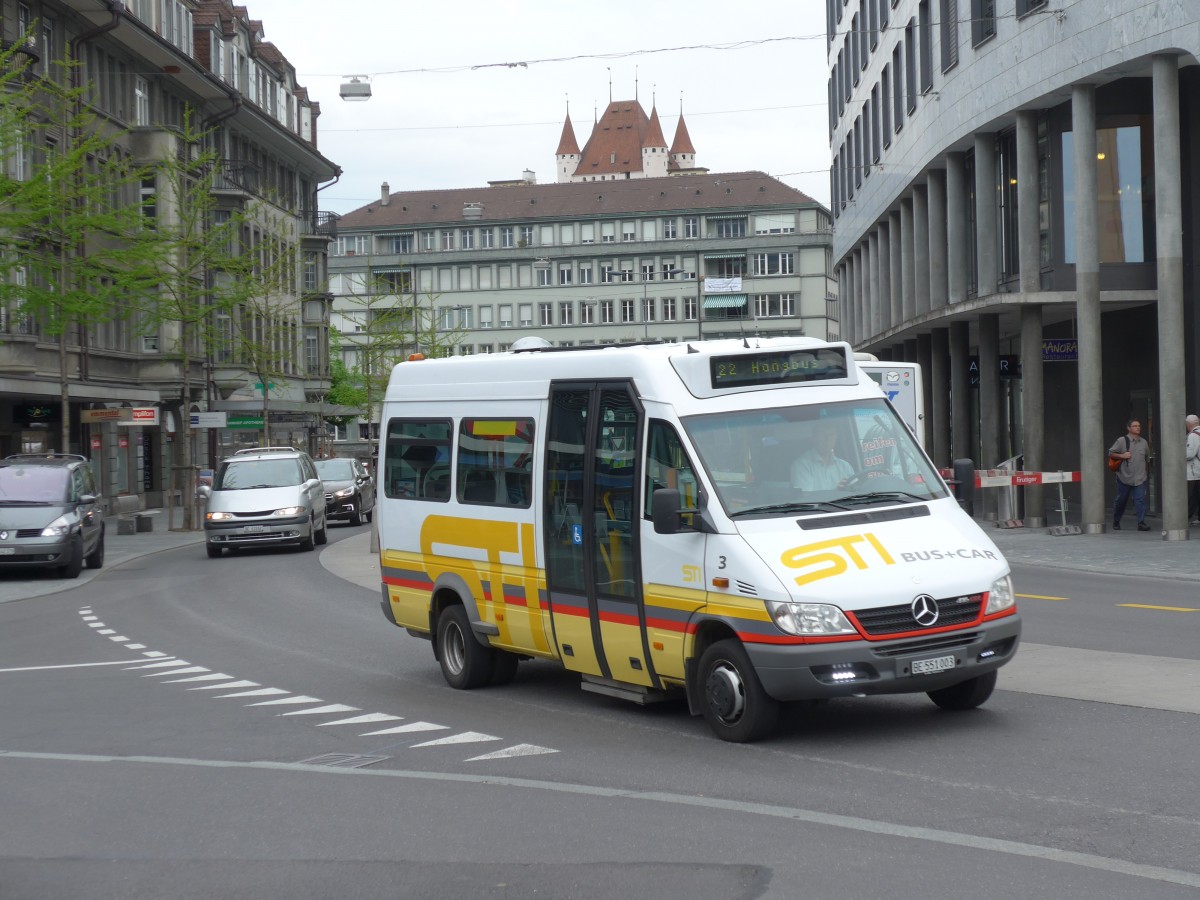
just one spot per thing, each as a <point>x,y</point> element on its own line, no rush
<point>297,699</point>
<point>261,692</point>
<point>331,708</point>
<point>362,720</point>
<point>517,750</point>
<point>467,737</point>
<point>412,726</point>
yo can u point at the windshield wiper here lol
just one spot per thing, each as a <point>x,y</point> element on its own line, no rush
<point>787,508</point>
<point>875,496</point>
<point>6,502</point>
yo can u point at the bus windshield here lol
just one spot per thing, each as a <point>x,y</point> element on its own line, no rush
<point>812,459</point>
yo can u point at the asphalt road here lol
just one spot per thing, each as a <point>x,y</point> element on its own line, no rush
<point>251,727</point>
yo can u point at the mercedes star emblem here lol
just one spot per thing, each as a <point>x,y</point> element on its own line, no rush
<point>925,610</point>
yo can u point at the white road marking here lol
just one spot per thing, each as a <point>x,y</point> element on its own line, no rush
<point>212,676</point>
<point>96,625</point>
<point>135,646</point>
<point>89,618</point>
<point>187,670</point>
<point>225,687</point>
<point>467,737</point>
<point>119,662</point>
<point>107,631</point>
<point>154,654</point>
<point>362,720</point>
<point>412,726</point>
<point>262,692</point>
<point>286,700</point>
<point>159,665</point>
<point>119,638</point>
<point>518,750</point>
<point>331,708</point>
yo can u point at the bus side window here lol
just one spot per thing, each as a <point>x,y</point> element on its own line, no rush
<point>668,466</point>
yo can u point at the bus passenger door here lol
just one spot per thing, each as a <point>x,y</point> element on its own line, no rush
<point>593,571</point>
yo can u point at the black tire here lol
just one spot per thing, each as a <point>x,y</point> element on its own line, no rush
<point>322,536</point>
<point>356,518</point>
<point>369,515</point>
<point>214,552</point>
<point>504,667</point>
<point>95,559</point>
<point>736,707</point>
<point>309,542</point>
<point>966,694</point>
<point>466,663</point>
<point>75,563</point>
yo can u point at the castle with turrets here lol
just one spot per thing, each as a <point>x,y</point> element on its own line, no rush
<point>625,143</point>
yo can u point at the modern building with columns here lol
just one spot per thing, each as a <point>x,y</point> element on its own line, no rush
<point>1014,188</point>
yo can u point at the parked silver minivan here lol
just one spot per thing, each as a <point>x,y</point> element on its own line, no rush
<point>264,496</point>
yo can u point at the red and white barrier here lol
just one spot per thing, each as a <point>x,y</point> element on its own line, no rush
<point>985,478</point>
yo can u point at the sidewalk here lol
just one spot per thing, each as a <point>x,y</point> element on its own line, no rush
<point>1127,552</point>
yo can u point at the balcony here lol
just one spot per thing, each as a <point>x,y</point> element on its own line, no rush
<point>234,177</point>
<point>320,224</point>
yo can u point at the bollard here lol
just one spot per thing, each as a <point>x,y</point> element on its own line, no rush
<point>964,485</point>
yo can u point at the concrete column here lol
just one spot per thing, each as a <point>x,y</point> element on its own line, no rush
<point>883,300</point>
<point>908,280</point>
<point>938,388</point>
<point>1033,402</point>
<point>956,225</point>
<point>925,358</point>
<point>1168,216</point>
<point>1033,411</point>
<point>985,213</point>
<point>920,242</point>
<point>857,296</point>
<point>896,259</point>
<point>1094,472</point>
<point>871,273</point>
<point>989,390</point>
<point>961,446</point>
<point>936,204</point>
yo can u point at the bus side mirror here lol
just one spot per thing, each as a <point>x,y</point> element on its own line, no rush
<point>664,511</point>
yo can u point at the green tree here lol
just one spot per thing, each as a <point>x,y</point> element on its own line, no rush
<point>68,207</point>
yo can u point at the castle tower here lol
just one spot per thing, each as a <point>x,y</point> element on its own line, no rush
<point>567,154</point>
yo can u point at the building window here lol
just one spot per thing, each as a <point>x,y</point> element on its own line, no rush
<point>525,315</point>
<point>606,273</point>
<point>910,64</point>
<point>141,102</point>
<point>647,271</point>
<point>587,233</point>
<point>1127,215</point>
<point>670,229</point>
<point>543,276</point>
<point>774,306</point>
<point>948,13</point>
<point>1024,7</point>
<point>428,241</point>
<point>926,36</point>
<point>628,232</point>
<point>566,313</point>
<point>898,90</point>
<point>564,275</point>
<point>148,195</point>
<point>466,239</point>
<point>690,308</point>
<point>506,236</point>
<point>545,314</point>
<point>608,232</point>
<point>626,272</point>
<point>526,238</point>
<point>447,240</point>
<point>668,305</point>
<point>627,311</point>
<point>585,273</point>
<point>506,315</point>
<point>587,313</point>
<point>731,228</point>
<point>606,312</point>
<point>729,268</point>
<point>648,309</point>
<point>691,227</point>
<point>487,239</point>
<point>774,264</point>
<point>485,318</point>
<point>983,21</point>
<point>885,106</point>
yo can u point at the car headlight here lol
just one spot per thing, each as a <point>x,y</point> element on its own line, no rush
<point>1000,596</point>
<point>289,511</point>
<point>57,528</point>
<point>344,492</point>
<point>218,516</point>
<point>809,618</point>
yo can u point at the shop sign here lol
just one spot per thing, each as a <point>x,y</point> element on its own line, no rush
<point>1066,350</point>
<point>208,419</point>
<point>244,422</point>
<point>125,415</point>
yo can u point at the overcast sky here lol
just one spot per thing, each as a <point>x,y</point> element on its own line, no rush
<point>468,92</point>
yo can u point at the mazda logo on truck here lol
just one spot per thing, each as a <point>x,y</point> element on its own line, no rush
<point>925,610</point>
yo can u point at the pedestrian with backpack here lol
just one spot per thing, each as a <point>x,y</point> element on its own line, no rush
<point>1192,457</point>
<point>1134,453</point>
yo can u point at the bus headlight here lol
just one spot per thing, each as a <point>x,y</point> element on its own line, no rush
<point>1000,596</point>
<point>809,618</point>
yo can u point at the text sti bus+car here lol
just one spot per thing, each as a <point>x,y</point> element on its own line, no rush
<point>747,521</point>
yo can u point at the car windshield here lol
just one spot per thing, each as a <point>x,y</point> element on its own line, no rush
<point>257,473</point>
<point>34,484</point>
<point>813,459</point>
<point>335,469</point>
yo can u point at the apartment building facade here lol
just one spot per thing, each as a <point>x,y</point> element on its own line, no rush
<point>149,68</point>
<point>673,258</point>
<point>1014,204</point>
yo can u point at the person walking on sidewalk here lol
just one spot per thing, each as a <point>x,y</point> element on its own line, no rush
<point>1134,452</point>
<point>1192,456</point>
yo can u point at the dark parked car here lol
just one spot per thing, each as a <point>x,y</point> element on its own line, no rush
<point>349,490</point>
<point>50,515</point>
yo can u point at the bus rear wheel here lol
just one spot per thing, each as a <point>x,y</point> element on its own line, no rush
<point>736,707</point>
<point>465,662</point>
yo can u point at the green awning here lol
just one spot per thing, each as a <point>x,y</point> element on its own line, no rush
<point>729,254</point>
<point>724,301</point>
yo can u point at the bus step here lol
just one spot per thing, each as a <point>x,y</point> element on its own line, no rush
<point>638,693</point>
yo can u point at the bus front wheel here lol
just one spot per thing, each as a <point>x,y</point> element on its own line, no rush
<point>735,705</point>
<point>465,662</point>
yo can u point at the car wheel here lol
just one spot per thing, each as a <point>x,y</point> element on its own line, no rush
<point>736,707</point>
<point>369,514</point>
<point>966,694</point>
<point>355,516</point>
<point>95,559</point>
<point>322,536</point>
<point>75,564</point>
<point>214,552</point>
<point>309,541</point>
<point>465,662</point>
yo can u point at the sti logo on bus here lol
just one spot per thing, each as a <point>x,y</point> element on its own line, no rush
<point>833,557</point>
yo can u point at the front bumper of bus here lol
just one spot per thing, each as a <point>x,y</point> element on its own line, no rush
<point>903,666</point>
